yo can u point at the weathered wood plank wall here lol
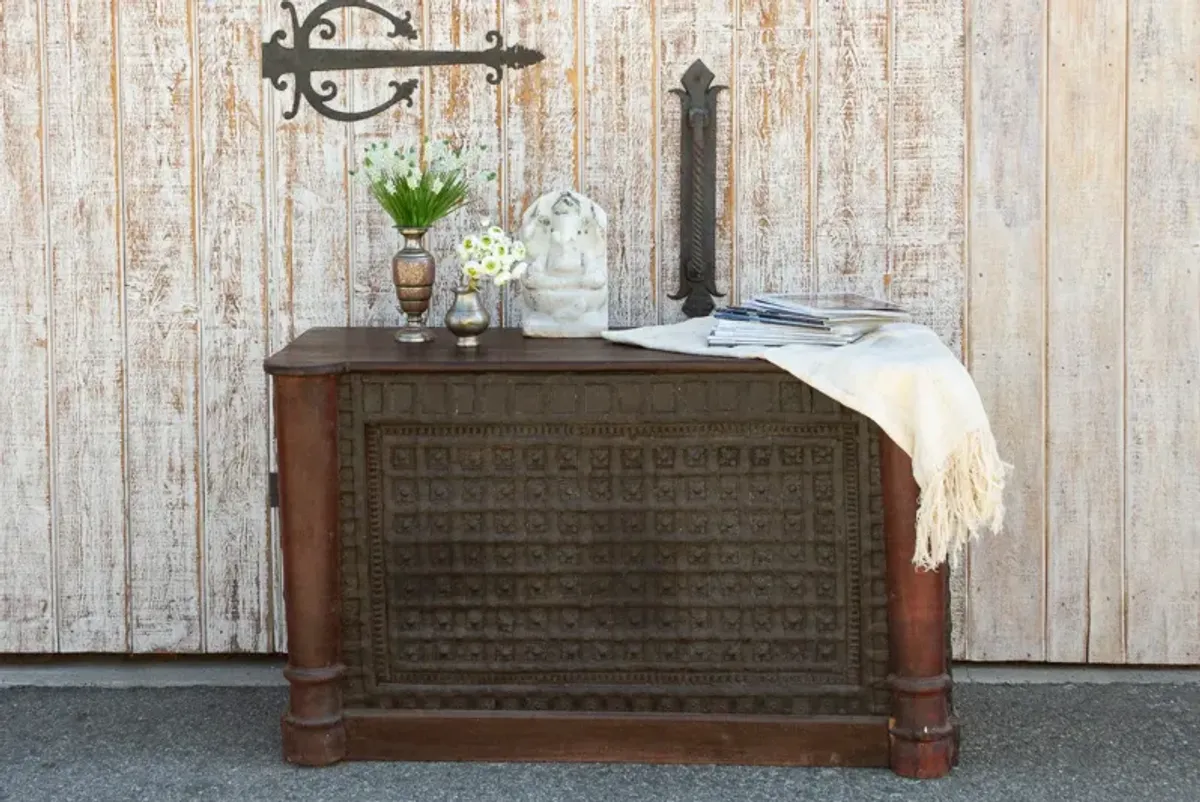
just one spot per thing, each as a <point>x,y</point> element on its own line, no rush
<point>1024,175</point>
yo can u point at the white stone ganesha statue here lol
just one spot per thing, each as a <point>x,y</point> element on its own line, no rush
<point>564,293</point>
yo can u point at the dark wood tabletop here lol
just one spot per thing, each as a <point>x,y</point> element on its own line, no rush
<point>322,351</point>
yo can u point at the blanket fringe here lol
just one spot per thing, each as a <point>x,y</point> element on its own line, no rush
<point>965,496</point>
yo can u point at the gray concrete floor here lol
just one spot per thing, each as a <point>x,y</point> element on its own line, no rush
<point>1021,743</point>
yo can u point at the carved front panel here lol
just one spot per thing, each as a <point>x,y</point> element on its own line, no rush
<point>617,542</point>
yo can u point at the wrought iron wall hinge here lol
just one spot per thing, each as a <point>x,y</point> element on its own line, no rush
<point>301,60</point>
<point>273,489</point>
<point>698,192</point>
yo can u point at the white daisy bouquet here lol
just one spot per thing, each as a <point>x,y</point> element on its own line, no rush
<point>492,254</point>
<point>417,195</point>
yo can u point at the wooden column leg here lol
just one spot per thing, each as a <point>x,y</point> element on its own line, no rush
<point>306,426</point>
<point>923,737</point>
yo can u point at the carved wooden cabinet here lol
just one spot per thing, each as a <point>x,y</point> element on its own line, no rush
<point>575,550</point>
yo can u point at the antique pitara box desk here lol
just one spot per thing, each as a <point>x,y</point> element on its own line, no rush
<point>578,550</point>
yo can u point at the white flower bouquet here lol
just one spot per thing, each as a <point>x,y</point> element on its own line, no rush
<point>417,196</point>
<point>493,255</point>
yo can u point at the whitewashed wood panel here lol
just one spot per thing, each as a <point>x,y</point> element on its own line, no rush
<point>27,605</point>
<point>1005,592</point>
<point>927,164</point>
<point>162,327</point>
<point>688,31</point>
<point>1162,335</point>
<point>621,135</point>
<point>464,108</point>
<point>775,133</point>
<point>232,198</point>
<point>176,229</point>
<point>541,111</point>
<point>851,215</point>
<point>1085,376</point>
<point>88,330</point>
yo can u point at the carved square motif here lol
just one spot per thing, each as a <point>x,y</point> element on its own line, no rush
<point>567,458</point>
<point>729,457</point>
<point>570,523</point>
<point>535,458</point>
<point>695,456</point>
<point>664,457</point>
<point>793,487</point>
<point>823,489</point>
<point>504,458</point>
<point>403,458</point>
<point>760,456</point>
<point>599,459</point>
<point>791,456</point>
<point>440,491</point>
<point>507,524</point>
<point>633,523</point>
<point>404,492</point>
<point>405,526</point>
<point>663,490</point>
<point>437,459</point>
<point>567,491</point>
<point>760,490</point>
<point>632,458</point>
<point>470,459</point>
<point>631,490</point>
<point>822,456</point>
<point>503,491</point>
<point>537,491</point>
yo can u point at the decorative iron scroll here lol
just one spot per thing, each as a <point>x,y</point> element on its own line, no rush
<point>698,192</point>
<point>301,59</point>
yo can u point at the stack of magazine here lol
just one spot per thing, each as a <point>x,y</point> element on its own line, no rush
<point>809,319</point>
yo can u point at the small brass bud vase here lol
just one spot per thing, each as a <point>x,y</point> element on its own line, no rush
<point>467,317</point>
<point>413,272</point>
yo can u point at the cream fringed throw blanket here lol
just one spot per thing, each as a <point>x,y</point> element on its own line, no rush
<point>906,380</point>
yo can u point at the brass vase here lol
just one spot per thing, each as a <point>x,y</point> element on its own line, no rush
<point>413,270</point>
<point>467,317</point>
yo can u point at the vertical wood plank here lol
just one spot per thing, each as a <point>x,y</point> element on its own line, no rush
<point>162,324</point>
<point>927,167</point>
<point>1006,607</point>
<point>464,108</point>
<point>542,124</point>
<point>1085,378</point>
<point>237,556</point>
<point>310,276</point>
<point>88,329</point>
<point>26,557</point>
<point>851,145</point>
<point>620,136</point>
<point>775,134</point>
<point>1162,330</point>
<point>689,31</point>
<point>373,237</point>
